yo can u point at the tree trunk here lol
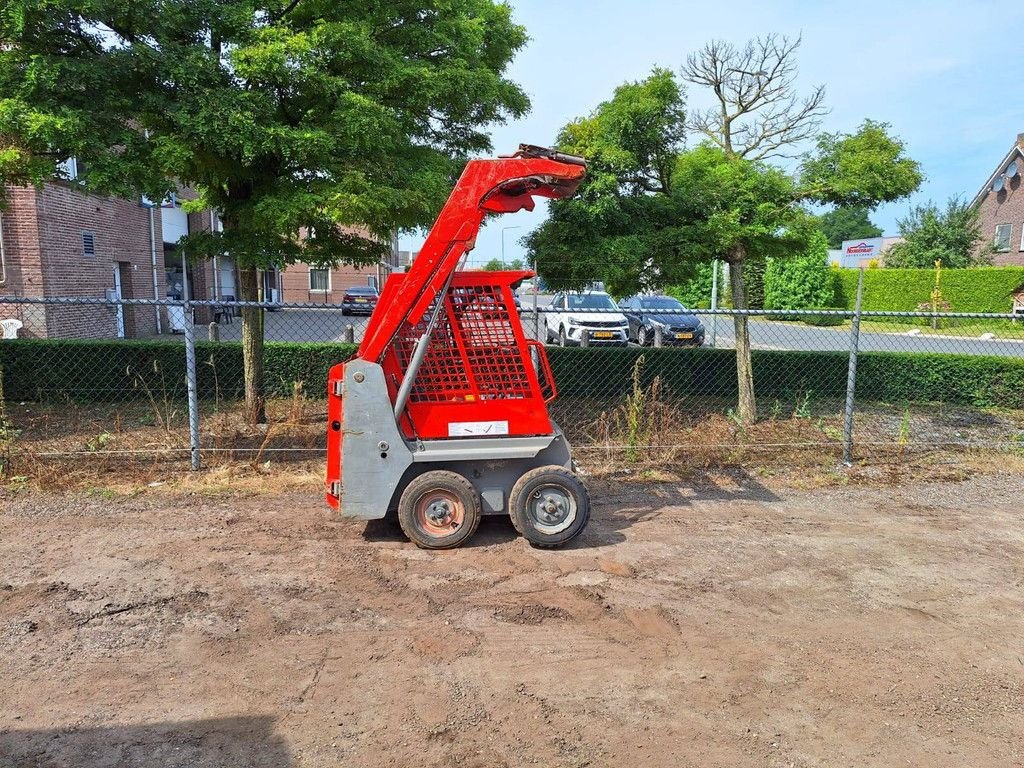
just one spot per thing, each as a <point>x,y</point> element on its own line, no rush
<point>746,406</point>
<point>252,347</point>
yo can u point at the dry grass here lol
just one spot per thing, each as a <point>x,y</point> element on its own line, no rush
<point>646,435</point>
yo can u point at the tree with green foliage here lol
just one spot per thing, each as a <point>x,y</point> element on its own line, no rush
<point>952,236</point>
<point>843,223</point>
<point>804,281</point>
<point>287,117</point>
<point>696,292</point>
<point>650,212</point>
<point>497,265</point>
<point>621,227</point>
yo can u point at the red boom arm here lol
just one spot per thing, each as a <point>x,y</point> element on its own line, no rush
<point>502,185</point>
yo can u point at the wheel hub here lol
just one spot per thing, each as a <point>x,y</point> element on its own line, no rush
<point>553,509</point>
<point>440,513</point>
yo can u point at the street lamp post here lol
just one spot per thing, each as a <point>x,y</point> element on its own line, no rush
<point>503,231</point>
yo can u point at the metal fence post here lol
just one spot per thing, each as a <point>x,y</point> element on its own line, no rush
<point>714,302</point>
<point>190,379</point>
<point>851,374</point>
<point>536,312</point>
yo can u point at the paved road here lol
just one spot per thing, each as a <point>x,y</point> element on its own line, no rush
<point>330,325</point>
<point>766,334</point>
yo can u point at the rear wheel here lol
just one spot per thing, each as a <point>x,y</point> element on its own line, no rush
<point>439,510</point>
<point>641,336</point>
<point>549,506</point>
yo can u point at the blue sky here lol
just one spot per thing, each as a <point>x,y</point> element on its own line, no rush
<point>945,75</point>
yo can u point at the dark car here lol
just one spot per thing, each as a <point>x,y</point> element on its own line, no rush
<point>646,313</point>
<point>359,300</point>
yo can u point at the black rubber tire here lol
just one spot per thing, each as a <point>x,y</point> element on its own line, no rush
<point>448,483</point>
<point>531,483</point>
<point>641,336</point>
<point>562,342</point>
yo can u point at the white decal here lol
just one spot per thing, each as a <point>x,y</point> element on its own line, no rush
<point>477,428</point>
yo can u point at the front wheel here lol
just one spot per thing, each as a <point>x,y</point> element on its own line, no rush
<point>562,340</point>
<point>549,506</point>
<point>439,510</point>
<point>641,336</point>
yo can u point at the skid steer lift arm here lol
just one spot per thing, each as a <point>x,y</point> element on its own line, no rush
<point>442,413</point>
<point>502,185</point>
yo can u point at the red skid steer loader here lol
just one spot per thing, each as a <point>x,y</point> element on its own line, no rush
<point>442,414</point>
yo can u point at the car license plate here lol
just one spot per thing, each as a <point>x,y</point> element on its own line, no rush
<point>603,335</point>
<point>361,301</point>
<point>684,335</point>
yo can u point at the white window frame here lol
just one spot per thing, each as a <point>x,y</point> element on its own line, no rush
<point>1021,238</point>
<point>3,254</point>
<point>1009,238</point>
<point>310,279</point>
<point>69,168</point>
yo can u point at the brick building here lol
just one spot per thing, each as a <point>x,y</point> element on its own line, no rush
<point>301,282</point>
<point>1001,205</point>
<point>304,283</point>
<point>58,241</point>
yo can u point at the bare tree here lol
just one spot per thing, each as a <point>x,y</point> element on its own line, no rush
<point>759,116</point>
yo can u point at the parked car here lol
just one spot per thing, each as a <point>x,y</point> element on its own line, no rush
<point>592,314</point>
<point>646,313</point>
<point>359,300</point>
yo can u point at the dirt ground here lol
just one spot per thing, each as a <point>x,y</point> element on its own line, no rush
<point>732,624</point>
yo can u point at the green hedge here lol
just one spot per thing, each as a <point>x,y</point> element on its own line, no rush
<point>609,372</point>
<point>107,370</point>
<point>118,370</point>
<point>980,289</point>
<point>984,381</point>
<point>824,320</point>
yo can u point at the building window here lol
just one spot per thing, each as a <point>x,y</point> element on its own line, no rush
<point>88,244</point>
<point>1003,237</point>
<point>1022,238</point>
<point>71,169</point>
<point>319,280</point>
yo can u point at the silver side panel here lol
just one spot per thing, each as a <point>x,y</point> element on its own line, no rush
<point>482,448</point>
<point>378,462</point>
<point>375,456</point>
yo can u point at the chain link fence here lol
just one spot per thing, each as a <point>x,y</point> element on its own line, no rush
<point>78,381</point>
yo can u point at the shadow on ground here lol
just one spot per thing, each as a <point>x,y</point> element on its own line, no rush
<point>494,529</point>
<point>229,742</point>
<point>612,510</point>
<point>619,506</point>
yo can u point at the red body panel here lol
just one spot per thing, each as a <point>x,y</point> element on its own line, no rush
<point>481,376</point>
<point>478,368</point>
<point>334,421</point>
